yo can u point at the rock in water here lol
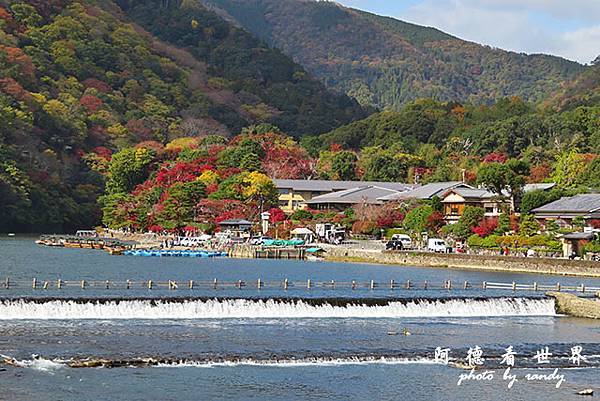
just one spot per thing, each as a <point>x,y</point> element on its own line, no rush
<point>587,391</point>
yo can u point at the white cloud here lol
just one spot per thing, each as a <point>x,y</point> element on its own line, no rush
<point>517,24</point>
<point>567,28</point>
<point>582,45</point>
<point>585,10</point>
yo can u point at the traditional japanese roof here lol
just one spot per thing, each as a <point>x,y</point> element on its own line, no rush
<point>235,222</point>
<point>366,194</point>
<point>544,186</point>
<point>580,236</point>
<point>301,231</point>
<point>333,186</point>
<point>426,191</point>
<point>472,194</point>
<point>583,203</point>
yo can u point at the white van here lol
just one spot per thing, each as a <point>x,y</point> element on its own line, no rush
<point>437,245</point>
<point>404,240</point>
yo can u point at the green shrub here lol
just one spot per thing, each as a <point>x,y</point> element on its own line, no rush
<point>391,231</point>
<point>301,215</point>
<point>592,247</point>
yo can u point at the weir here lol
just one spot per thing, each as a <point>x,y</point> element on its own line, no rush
<point>286,284</point>
<point>282,308</point>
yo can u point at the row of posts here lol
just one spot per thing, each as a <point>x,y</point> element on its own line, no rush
<point>172,285</point>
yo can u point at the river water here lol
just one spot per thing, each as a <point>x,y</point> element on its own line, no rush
<point>239,344</point>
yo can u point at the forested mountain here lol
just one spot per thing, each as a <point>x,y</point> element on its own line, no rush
<point>584,90</point>
<point>80,80</point>
<point>385,62</point>
<point>511,126</point>
<point>121,100</point>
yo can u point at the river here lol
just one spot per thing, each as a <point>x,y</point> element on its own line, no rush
<point>239,344</point>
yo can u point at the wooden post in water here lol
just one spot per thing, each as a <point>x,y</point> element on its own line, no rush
<point>239,284</point>
<point>59,284</point>
<point>372,285</point>
<point>83,284</point>
<point>535,286</point>
<point>285,284</point>
<point>353,284</point>
<point>258,284</point>
<point>392,284</point>
<point>484,285</point>
<point>408,285</point>
<point>149,284</point>
<point>45,285</point>
<point>425,285</point>
<point>191,284</point>
<point>34,283</point>
<point>558,287</point>
<point>7,283</point>
<point>332,284</point>
<point>128,284</point>
<point>308,284</point>
<point>215,284</point>
<point>514,286</point>
<point>107,284</point>
<point>466,285</point>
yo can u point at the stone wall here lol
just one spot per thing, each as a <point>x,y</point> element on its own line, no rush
<point>462,261</point>
<point>569,304</point>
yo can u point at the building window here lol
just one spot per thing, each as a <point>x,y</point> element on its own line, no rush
<point>489,209</point>
<point>283,191</point>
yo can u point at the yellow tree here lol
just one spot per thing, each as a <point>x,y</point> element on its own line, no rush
<point>258,186</point>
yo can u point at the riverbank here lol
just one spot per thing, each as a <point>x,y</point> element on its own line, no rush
<point>562,267</point>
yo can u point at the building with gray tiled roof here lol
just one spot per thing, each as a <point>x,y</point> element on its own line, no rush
<point>564,210</point>
<point>294,194</point>
<point>342,200</point>
<point>427,191</point>
<point>455,201</point>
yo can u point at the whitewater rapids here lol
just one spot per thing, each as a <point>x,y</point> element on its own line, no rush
<point>73,309</point>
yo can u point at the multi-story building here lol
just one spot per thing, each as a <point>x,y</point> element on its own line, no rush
<point>294,194</point>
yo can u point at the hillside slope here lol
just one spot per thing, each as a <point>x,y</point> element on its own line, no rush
<point>78,80</point>
<point>584,90</point>
<point>385,62</point>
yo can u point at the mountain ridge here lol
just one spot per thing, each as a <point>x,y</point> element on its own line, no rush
<point>385,62</point>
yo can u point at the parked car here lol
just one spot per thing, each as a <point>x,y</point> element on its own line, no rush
<point>437,245</point>
<point>259,240</point>
<point>394,245</point>
<point>404,239</point>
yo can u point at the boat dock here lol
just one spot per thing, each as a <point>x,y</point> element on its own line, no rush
<point>111,245</point>
<point>280,253</point>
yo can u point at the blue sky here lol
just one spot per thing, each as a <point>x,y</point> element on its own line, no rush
<point>567,28</point>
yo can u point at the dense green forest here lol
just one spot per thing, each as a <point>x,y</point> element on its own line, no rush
<point>78,81</point>
<point>134,111</point>
<point>387,63</point>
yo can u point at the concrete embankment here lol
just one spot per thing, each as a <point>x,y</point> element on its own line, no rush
<point>572,305</point>
<point>462,261</point>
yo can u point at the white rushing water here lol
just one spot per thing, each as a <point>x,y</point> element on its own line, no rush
<point>36,363</point>
<point>281,363</point>
<point>272,309</point>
